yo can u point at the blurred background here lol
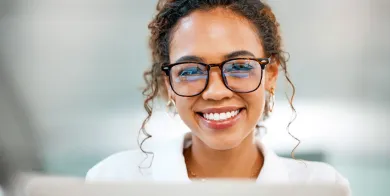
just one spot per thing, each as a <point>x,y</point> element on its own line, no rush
<point>71,80</point>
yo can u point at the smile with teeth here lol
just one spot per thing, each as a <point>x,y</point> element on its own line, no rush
<point>221,116</point>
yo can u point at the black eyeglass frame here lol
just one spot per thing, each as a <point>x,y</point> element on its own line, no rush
<point>262,62</point>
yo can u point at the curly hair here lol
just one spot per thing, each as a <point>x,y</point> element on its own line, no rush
<point>169,12</point>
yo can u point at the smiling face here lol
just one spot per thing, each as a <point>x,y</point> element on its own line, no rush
<point>219,117</point>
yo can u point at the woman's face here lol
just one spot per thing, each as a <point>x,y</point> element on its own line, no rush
<point>212,37</point>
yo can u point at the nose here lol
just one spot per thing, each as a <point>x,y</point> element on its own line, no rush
<point>216,89</point>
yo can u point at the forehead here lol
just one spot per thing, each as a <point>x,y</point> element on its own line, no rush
<point>213,34</point>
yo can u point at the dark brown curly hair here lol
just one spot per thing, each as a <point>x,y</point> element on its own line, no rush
<point>169,12</point>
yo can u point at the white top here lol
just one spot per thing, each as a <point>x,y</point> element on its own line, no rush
<point>169,166</point>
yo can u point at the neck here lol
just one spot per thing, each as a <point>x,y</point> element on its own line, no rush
<point>243,161</point>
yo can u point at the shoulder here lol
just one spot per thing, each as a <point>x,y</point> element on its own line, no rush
<point>135,165</point>
<point>118,167</point>
<point>309,171</point>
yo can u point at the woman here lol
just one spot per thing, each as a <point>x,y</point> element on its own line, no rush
<point>216,62</point>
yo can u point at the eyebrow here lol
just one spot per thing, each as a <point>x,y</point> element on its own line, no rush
<point>238,53</point>
<point>235,54</point>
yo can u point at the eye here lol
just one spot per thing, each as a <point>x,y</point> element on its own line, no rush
<point>238,67</point>
<point>189,71</point>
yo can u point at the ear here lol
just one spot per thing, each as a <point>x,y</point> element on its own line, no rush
<point>271,74</point>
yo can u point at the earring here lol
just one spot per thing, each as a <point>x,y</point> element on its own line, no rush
<point>271,101</point>
<point>171,108</point>
<point>171,102</point>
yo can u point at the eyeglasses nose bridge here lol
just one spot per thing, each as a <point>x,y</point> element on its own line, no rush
<point>215,65</point>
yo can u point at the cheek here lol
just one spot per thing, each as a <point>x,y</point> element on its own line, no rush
<point>255,102</point>
<point>184,107</point>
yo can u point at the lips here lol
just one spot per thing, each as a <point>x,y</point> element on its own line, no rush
<point>220,118</point>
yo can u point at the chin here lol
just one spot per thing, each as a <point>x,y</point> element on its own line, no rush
<point>223,143</point>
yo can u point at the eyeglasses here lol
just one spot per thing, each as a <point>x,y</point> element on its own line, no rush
<point>240,75</point>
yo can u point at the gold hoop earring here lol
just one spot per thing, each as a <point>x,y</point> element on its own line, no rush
<point>171,108</point>
<point>171,102</point>
<point>271,101</point>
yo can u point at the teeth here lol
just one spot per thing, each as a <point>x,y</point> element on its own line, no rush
<point>228,114</point>
<point>221,116</point>
<point>216,116</point>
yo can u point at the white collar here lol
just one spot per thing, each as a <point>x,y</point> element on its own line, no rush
<point>169,164</point>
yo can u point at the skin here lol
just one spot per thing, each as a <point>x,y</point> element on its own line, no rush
<point>214,36</point>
